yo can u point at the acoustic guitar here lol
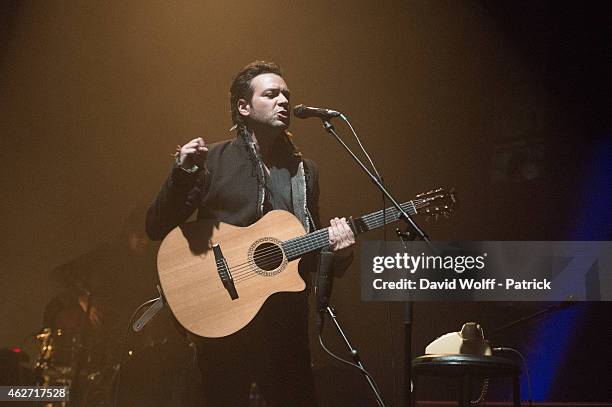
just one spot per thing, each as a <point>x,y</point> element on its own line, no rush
<point>216,276</point>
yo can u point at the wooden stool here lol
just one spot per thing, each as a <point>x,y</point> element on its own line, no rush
<point>465,368</point>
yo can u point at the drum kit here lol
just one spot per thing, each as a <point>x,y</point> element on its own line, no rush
<point>72,351</point>
<point>72,354</point>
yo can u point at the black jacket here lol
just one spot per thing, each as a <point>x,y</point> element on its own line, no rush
<point>230,190</point>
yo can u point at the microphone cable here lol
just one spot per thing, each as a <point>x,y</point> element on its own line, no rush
<point>506,349</point>
<point>364,371</point>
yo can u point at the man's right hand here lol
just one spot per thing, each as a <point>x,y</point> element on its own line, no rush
<point>192,153</point>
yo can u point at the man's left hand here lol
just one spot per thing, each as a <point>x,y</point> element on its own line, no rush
<point>341,237</point>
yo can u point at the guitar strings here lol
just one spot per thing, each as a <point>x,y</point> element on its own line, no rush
<point>266,257</point>
<point>270,258</point>
<point>274,254</point>
<point>249,266</point>
<point>271,253</point>
<point>376,216</point>
<point>248,271</point>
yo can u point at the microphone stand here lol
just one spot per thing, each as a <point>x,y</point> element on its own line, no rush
<point>355,355</point>
<point>416,231</point>
<point>323,289</point>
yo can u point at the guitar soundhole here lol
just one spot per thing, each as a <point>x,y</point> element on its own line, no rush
<point>268,256</point>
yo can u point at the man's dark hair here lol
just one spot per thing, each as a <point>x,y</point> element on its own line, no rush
<point>241,85</point>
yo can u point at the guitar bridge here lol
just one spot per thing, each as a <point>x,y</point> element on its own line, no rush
<point>224,272</point>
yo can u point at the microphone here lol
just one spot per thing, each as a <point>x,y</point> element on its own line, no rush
<point>304,112</point>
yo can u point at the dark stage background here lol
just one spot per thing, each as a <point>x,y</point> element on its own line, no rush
<point>506,101</point>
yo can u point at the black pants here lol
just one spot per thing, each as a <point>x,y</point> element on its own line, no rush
<point>272,351</point>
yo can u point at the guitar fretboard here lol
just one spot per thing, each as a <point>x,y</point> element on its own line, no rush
<point>298,246</point>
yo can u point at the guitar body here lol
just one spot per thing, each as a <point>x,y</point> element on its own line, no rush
<point>189,274</point>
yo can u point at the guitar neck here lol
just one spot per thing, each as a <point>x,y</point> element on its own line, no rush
<point>299,246</point>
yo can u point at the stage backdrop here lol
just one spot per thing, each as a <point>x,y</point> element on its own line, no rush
<point>504,102</point>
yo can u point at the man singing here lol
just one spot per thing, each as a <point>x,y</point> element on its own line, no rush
<point>237,181</point>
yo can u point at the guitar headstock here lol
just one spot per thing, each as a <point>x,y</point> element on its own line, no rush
<point>436,202</point>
